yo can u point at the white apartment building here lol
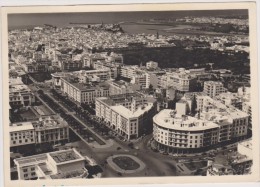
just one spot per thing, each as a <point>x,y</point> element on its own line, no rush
<point>128,114</point>
<point>213,88</point>
<point>151,79</point>
<point>122,87</point>
<point>54,165</point>
<point>19,93</point>
<point>181,80</point>
<point>56,78</point>
<point>140,79</point>
<point>128,71</point>
<point>21,134</point>
<point>83,93</point>
<point>244,92</point>
<point>151,65</point>
<point>145,79</point>
<point>48,129</point>
<point>104,74</point>
<point>51,129</point>
<point>162,81</point>
<point>113,67</point>
<point>183,134</point>
<point>176,132</point>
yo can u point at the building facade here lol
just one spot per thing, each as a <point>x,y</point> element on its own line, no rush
<point>181,80</point>
<point>83,93</point>
<point>128,114</point>
<point>214,123</point>
<point>54,165</point>
<point>21,134</point>
<point>213,88</point>
<point>122,87</point>
<point>19,94</point>
<point>47,129</point>
<point>151,65</point>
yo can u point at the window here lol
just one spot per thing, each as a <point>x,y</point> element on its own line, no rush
<point>14,142</point>
<point>33,173</point>
<point>25,170</point>
<point>25,175</point>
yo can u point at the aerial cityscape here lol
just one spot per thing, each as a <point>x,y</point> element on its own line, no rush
<point>129,94</point>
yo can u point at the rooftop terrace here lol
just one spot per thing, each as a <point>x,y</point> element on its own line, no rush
<point>64,156</point>
<point>84,87</point>
<point>168,119</point>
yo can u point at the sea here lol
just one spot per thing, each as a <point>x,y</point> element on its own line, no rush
<point>126,19</point>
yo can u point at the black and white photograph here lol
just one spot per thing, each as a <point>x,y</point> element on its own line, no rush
<point>130,93</point>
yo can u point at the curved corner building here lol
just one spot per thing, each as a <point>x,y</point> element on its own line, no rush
<point>175,133</point>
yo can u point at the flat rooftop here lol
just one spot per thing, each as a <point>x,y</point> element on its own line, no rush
<point>213,82</point>
<point>125,112</point>
<point>65,156</point>
<point>15,81</point>
<point>70,174</point>
<point>18,88</point>
<point>218,108</point>
<point>21,126</point>
<point>114,99</point>
<point>167,119</point>
<point>32,160</point>
<point>49,122</point>
<point>85,87</point>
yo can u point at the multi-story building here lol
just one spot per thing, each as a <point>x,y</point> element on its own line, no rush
<point>214,123</point>
<point>140,79</point>
<point>181,80</point>
<point>246,107</point>
<point>68,62</point>
<point>128,71</point>
<point>19,94</point>
<point>162,81</point>
<point>183,134</point>
<point>240,162</point>
<point>103,74</point>
<point>56,78</point>
<point>70,65</point>
<point>122,87</point>
<point>151,79</point>
<point>21,134</point>
<point>83,93</point>
<point>145,79</point>
<point>54,165</point>
<point>47,129</point>
<point>170,93</point>
<point>129,115</point>
<point>244,92</point>
<point>51,129</point>
<point>213,88</point>
<point>113,67</point>
<point>151,65</point>
<point>34,67</point>
<point>229,98</point>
